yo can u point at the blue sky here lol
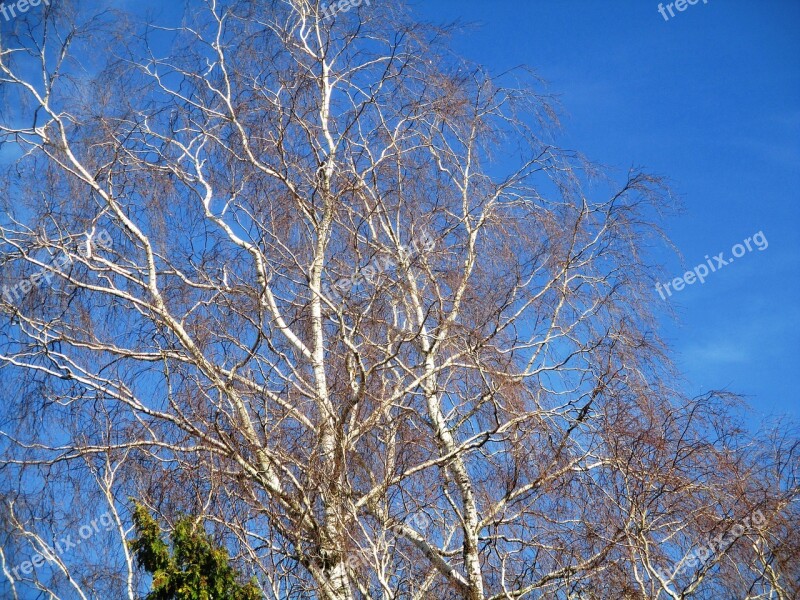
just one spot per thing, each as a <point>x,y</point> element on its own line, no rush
<point>711,100</point>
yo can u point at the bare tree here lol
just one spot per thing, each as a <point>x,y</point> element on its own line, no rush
<point>339,293</point>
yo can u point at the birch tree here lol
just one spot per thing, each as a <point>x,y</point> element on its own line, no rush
<point>308,275</point>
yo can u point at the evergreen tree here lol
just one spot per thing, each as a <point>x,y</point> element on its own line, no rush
<point>196,569</point>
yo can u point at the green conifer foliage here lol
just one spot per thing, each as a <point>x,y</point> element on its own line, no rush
<point>196,569</point>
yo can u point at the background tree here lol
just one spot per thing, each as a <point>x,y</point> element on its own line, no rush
<point>359,312</point>
<point>196,569</point>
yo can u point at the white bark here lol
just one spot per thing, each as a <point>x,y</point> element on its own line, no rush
<point>490,370</point>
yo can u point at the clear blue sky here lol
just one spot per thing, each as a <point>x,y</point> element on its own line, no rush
<point>710,99</point>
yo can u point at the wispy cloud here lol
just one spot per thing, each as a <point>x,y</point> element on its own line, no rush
<point>727,352</point>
